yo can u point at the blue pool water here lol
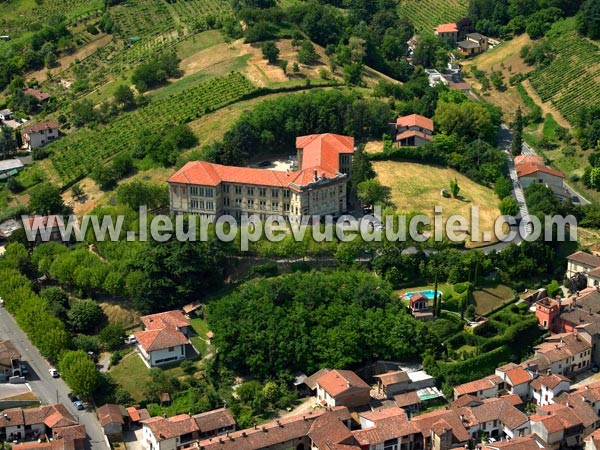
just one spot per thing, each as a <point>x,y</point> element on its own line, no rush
<point>428,293</point>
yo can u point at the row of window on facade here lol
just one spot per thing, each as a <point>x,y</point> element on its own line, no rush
<point>208,192</point>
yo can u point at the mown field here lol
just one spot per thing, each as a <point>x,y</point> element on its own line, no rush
<point>78,154</point>
<point>572,79</point>
<point>416,188</point>
<point>427,14</point>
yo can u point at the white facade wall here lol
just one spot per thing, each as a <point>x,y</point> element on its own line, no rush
<point>36,139</point>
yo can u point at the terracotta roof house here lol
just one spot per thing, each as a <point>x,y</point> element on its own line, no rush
<point>111,418</point>
<point>531,169</point>
<point>164,338</point>
<point>497,417</point>
<point>409,402</point>
<point>40,134</point>
<point>557,426</point>
<point>516,378</point>
<point>392,383</point>
<point>47,228</point>
<point>324,162</point>
<point>413,130</point>
<point>10,361</point>
<point>137,414</point>
<point>522,443</point>
<point>308,386</point>
<point>565,353</point>
<point>447,31</point>
<point>214,423</point>
<point>546,387</point>
<point>39,95</point>
<point>342,388</point>
<point>592,442</point>
<point>486,387</point>
<point>160,433</point>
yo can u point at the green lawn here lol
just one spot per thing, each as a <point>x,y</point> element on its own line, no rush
<point>132,375</point>
<point>201,328</point>
<point>489,297</point>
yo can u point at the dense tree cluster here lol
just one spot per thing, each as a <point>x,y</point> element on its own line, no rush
<point>155,72</point>
<point>305,321</point>
<point>273,125</point>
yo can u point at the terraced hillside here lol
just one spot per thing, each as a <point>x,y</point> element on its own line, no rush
<point>427,14</point>
<point>78,154</point>
<point>572,79</point>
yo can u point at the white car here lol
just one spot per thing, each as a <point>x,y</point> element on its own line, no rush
<point>54,373</point>
<point>131,340</point>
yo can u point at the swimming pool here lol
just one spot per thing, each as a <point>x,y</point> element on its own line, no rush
<point>429,293</point>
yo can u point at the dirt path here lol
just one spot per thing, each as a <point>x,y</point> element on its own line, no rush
<point>546,107</point>
<point>304,407</point>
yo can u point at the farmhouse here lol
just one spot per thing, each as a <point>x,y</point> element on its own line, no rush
<point>473,44</point>
<point>37,94</point>
<point>531,169</point>
<point>6,114</point>
<point>412,130</point>
<point>165,338</point>
<point>447,31</point>
<point>342,388</point>
<point>40,134</point>
<point>10,361</point>
<point>318,188</point>
<point>214,423</point>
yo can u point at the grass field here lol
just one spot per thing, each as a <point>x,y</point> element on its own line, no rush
<point>132,375</point>
<point>118,314</point>
<point>489,297</point>
<point>427,14</point>
<point>416,188</point>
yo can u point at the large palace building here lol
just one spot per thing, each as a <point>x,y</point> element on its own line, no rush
<point>317,188</point>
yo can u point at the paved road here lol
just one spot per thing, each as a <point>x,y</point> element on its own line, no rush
<point>48,389</point>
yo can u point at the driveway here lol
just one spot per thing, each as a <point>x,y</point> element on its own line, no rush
<point>48,389</point>
<point>133,439</point>
<point>8,390</point>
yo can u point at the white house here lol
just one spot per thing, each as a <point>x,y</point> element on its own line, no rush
<point>40,134</point>
<point>171,433</point>
<point>531,169</point>
<point>516,379</point>
<point>581,262</point>
<point>164,339</point>
<point>487,387</point>
<point>545,388</point>
<point>6,114</point>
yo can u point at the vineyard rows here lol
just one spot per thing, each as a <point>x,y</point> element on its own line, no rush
<point>427,14</point>
<point>77,155</point>
<point>572,79</point>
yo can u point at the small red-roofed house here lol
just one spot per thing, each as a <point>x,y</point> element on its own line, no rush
<point>413,130</point>
<point>164,338</point>
<point>447,31</point>
<point>342,388</point>
<point>40,134</point>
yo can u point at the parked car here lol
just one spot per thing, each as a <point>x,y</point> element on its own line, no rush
<point>264,163</point>
<point>54,373</point>
<point>72,397</point>
<point>131,339</point>
<point>79,405</point>
<point>24,370</point>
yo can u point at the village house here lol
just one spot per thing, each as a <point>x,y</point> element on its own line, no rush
<point>516,379</point>
<point>409,402</point>
<point>6,114</point>
<point>173,433</point>
<point>135,415</point>
<point>557,426</point>
<point>486,387</point>
<point>53,421</point>
<point>308,386</point>
<point>531,169</point>
<point>10,361</point>
<point>522,443</point>
<point>214,423</point>
<point>590,394</point>
<point>413,130</point>
<point>563,354</point>
<point>392,383</point>
<point>447,31</point>
<point>112,419</point>
<point>40,134</point>
<point>473,44</point>
<point>496,417</point>
<point>165,338</point>
<point>545,388</point>
<point>584,263</point>
<point>342,388</point>
<point>318,188</point>
<point>40,96</point>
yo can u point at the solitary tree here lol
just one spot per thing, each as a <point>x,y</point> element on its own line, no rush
<point>517,129</point>
<point>124,96</point>
<point>454,188</point>
<point>270,52</point>
<point>46,199</point>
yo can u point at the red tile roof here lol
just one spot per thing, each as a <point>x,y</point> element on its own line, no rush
<point>424,422</point>
<point>168,319</point>
<point>160,339</point>
<point>110,413</point>
<point>323,150</point>
<point>209,174</point>
<point>398,376</point>
<point>137,414</point>
<point>171,427</point>
<point>41,96</point>
<point>528,169</point>
<point>214,420</point>
<point>446,28</point>
<point>521,443</point>
<point>412,133</point>
<point>517,376</point>
<point>528,159</point>
<point>49,125</point>
<point>407,399</point>
<point>415,120</point>
<point>478,385</point>
<point>416,297</point>
<point>550,381</point>
<point>584,258</point>
<point>338,381</point>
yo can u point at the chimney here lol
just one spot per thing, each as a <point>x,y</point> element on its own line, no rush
<point>587,387</point>
<point>255,427</point>
<point>568,404</point>
<point>244,434</point>
<point>303,417</point>
<point>315,175</point>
